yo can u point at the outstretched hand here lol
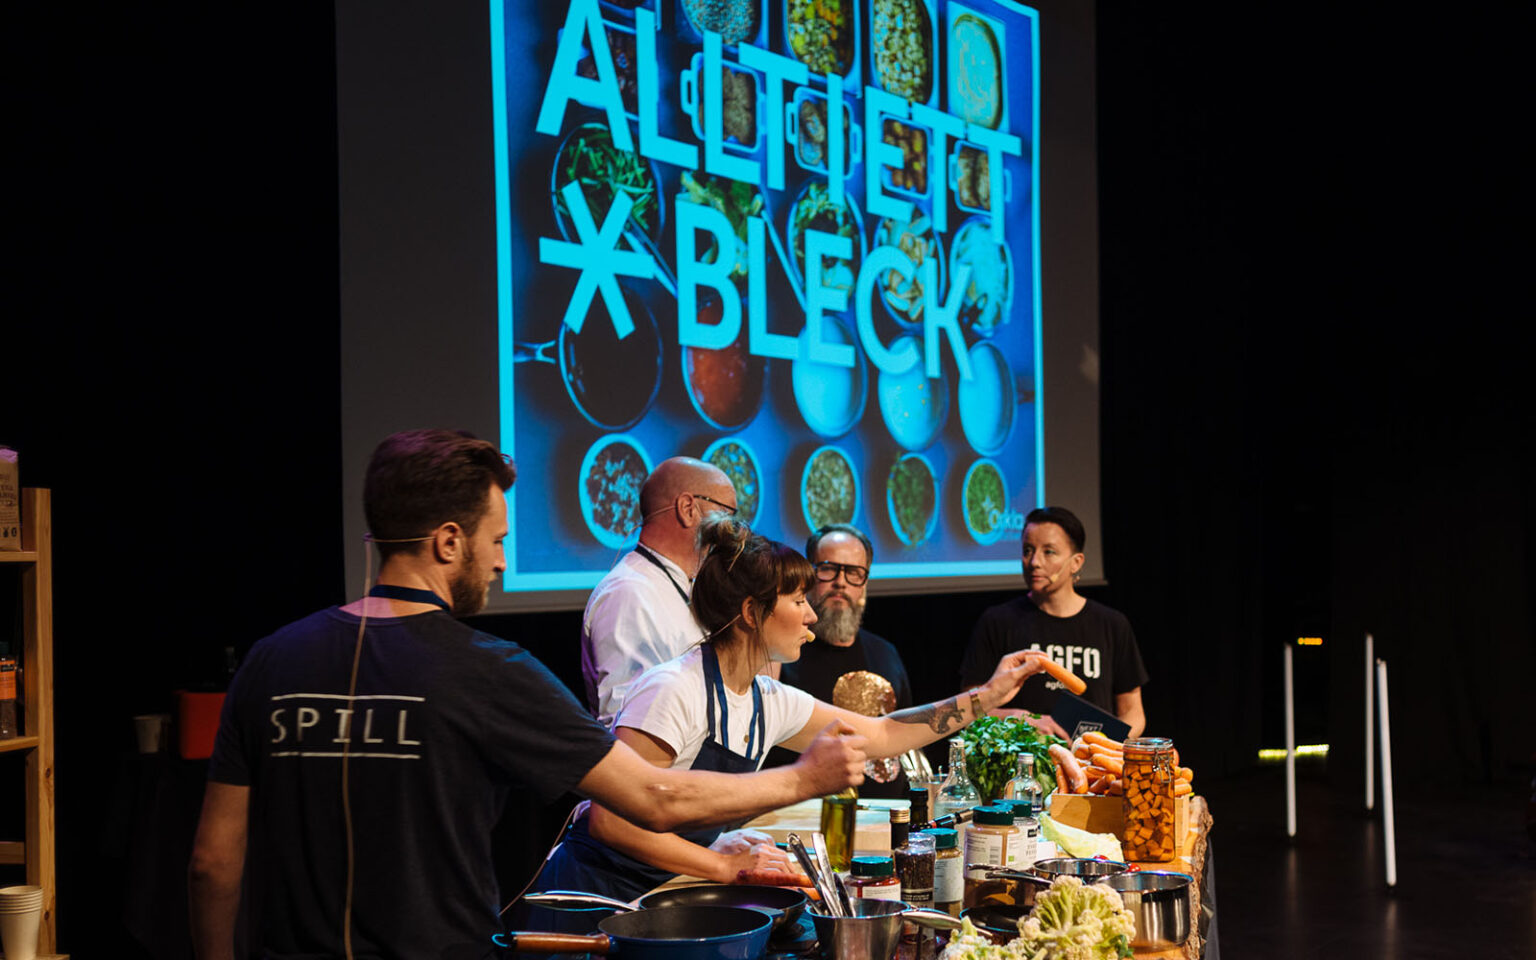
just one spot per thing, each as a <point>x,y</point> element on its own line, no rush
<point>1012,670</point>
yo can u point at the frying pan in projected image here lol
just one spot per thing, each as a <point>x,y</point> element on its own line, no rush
<point>611,382</point>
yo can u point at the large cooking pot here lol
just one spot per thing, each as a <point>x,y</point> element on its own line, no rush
<point>783,904</point>
<point>664,933</point>
<point>874,930</point>
<point>1161,902</point>
<point>1012,886</point>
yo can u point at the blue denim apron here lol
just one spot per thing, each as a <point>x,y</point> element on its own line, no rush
<point>584,863</point>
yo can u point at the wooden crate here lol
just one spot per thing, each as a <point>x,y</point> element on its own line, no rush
<point>1107,814</point>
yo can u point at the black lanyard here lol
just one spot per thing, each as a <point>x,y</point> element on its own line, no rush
<point>656,561</point>
<point>409,594</point>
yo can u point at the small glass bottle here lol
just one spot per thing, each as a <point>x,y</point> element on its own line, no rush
<point>918,797</point>
<point>873,878</point>
<point>1024,786</point>
<point>957,793</point>
<point>839,817</point>
<point>992,841</point>
<point>1149,779</point>
<point>948,871</point>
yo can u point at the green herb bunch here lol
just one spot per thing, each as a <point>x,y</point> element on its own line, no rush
<point>992,746</point>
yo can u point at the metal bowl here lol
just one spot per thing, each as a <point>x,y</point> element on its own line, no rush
<point>874,929</point>
<point>1161,902</point>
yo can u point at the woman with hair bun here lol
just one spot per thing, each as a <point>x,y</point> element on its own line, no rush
<point>712,709</point>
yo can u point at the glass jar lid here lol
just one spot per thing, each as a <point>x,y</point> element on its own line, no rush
<point>873,867</point>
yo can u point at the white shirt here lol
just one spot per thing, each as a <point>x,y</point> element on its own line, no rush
<point>635,619</point>
<point>669,703</point>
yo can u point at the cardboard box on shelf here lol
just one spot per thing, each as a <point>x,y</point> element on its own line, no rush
<point>10,501</point>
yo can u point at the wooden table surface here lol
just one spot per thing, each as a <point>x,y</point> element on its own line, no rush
<point>1190,860</point>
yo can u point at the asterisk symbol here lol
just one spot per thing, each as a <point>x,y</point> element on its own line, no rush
<point>597,255</point>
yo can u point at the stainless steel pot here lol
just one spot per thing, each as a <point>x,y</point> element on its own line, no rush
<point>1161,902</point>
<point>1018,886</point>
<point>874,930</point>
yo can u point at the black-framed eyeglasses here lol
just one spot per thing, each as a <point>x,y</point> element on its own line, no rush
<point>727,507</point>
<point>828,570</point>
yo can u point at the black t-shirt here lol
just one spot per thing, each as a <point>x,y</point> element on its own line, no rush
<point>821,664</point>
<point>1096,644</point>
<point>817,671</point>
<point>445,721</point>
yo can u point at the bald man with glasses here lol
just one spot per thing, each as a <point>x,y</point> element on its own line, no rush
<point>638,615</point>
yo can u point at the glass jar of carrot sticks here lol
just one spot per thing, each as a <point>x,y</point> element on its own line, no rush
<point>1149,779</point>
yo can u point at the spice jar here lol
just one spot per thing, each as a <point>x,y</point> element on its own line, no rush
<point>1149,778</point>
<point>874,878</point>
<point>948,871</point>
<point>992,841</point>
<point>1028,840</point>
<point>915,855</point>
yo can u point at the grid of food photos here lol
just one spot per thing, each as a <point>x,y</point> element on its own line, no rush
<point>830,290</point>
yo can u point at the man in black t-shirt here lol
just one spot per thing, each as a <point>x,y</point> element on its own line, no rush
<point>1088,638</point>
<point>842,555</point>
<point>365,751</point>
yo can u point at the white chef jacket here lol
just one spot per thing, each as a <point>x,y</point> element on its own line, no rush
<point>635,619</point>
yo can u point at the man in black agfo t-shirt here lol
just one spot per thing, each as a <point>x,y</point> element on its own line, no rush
<point>435,722</point>
<point>1086,637</point>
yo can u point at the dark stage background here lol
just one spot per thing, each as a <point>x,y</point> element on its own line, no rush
<point>1316,415</point>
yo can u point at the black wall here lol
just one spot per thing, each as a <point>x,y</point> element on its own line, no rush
<point>1313,371</point>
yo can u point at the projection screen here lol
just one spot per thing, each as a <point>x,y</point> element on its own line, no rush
<point>606,233</point>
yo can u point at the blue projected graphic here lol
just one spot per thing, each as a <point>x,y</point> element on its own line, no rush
<point>797,238</point>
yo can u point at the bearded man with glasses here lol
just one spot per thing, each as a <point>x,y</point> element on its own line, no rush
<point>841,555</point>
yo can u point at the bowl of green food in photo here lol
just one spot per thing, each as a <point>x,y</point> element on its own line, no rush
<point>829,488</point>
<point>737,461</point>
<point>984,500</point>
<point>912,498</point>
<point>609,489</point>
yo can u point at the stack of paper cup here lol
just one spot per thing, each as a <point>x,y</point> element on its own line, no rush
<point>21,911</point>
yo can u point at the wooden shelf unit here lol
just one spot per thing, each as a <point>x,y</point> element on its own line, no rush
<point>35,566</point>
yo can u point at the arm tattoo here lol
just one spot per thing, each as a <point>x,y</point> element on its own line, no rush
<point>940,717</point>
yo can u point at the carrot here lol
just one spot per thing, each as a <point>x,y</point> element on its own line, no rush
<point>1067,765</point>
<point>1113,764</point>
<point>1081,750</point>
<point>1061,781</point>
<point>1098,737</point>
<point>1183,788</point>
<point>1186,774</point>
<point>1070,680</point>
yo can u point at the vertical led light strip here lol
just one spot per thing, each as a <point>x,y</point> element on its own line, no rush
<point>1034,225</point>
<point>1034,229</point>
<point>504,364</point>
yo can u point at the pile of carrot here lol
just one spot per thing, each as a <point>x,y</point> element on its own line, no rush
<point>1103,764</point>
